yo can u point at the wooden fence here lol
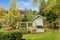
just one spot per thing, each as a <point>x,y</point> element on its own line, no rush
<point>29,26</point>
<point>26,26</point>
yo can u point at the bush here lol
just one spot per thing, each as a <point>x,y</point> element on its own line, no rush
<point>10,35</point>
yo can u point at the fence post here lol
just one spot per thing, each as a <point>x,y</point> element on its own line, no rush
<point>20,24</point>
<point>27,25</point>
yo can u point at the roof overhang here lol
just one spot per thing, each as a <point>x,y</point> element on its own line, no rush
<point>38,17</point>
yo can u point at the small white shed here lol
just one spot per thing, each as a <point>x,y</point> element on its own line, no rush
<point>38,23</point>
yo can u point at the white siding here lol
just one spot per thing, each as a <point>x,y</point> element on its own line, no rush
<point>40,30</point>
<point>38,21</point>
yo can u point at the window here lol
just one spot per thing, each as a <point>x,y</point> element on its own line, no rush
<point>39,27</point>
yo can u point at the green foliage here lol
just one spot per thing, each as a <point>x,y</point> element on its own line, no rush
<point>10,35</point>
<point>23,25</point>
<point>50,10</point>
<point>51,16</point>
<point>24,19</point>
<point>48,35</point>
<point>58,4</point>
<point>0,25</point>
<point>50,5</point>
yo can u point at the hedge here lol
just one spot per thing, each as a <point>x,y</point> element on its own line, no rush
<point>10,35</point>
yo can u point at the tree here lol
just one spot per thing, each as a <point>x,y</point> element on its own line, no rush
<point>50,4</point>
<point>35,13</point>
<point>54,4</point>
<point>24,19</point>
<point>41,5</point>
<point>58,13</point>
<point>12,13</point>
<point>3,12</point>
<point>29,14</point>
<point>51,18</point>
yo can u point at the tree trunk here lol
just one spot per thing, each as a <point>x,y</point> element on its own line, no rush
<point>53,27</point>
<point>59,31</point>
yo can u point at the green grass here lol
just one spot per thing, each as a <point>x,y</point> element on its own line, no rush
<point>48,35</point>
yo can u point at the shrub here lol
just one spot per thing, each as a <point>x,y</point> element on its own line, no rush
<point>10,35</point>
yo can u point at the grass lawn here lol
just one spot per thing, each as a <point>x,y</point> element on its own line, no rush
<point>48,35</point>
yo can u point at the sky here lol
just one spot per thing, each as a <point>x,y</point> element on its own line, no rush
<point>21,4</point>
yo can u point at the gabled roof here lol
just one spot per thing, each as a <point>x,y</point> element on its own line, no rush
<point>38,17</point>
